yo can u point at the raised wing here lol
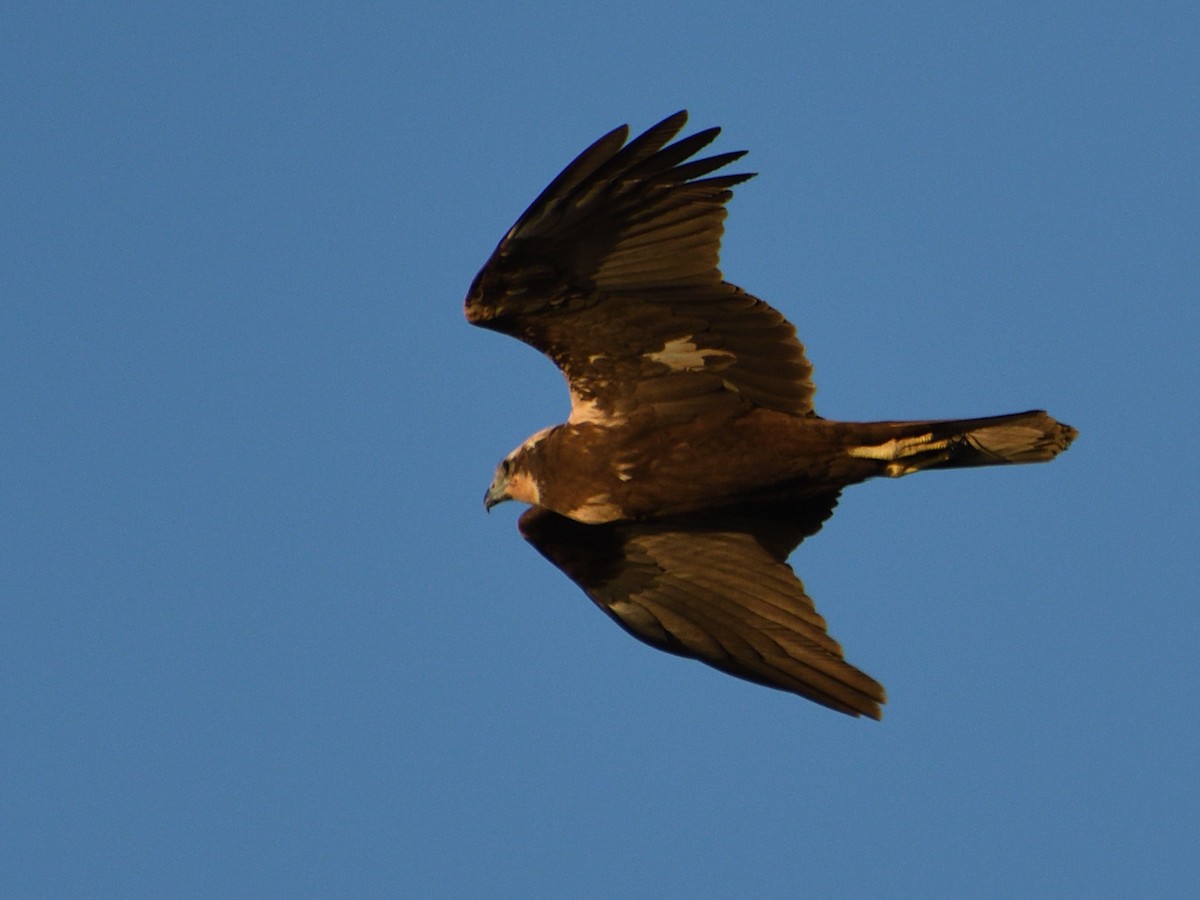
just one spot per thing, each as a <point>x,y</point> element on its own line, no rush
<point>716,588</point>
<point>613,273</point>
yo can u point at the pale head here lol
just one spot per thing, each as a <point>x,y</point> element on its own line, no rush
<point>513,479</point>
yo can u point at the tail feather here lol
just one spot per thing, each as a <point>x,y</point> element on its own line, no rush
<point>1027,437</point>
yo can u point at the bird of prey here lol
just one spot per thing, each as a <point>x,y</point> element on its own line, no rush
<point>692,463</point>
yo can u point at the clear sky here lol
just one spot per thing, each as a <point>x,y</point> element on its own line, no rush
<point>257,636</point>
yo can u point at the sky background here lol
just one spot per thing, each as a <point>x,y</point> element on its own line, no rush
<point>257,636</point>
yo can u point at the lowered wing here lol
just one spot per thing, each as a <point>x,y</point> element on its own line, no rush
<point>715,587</point>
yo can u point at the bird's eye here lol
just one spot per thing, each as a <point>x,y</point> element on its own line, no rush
<point>505,467</point>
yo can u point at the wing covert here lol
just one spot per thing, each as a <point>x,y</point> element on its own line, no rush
<point>613,273</point>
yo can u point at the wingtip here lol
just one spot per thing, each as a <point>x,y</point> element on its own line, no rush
<point>869,706</point>
<point>678,118</point>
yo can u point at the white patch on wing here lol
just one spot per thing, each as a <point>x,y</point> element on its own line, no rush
<point>681,355</point>
<point>625,471</point>
<point>596,511</point>
<point>586,411</point>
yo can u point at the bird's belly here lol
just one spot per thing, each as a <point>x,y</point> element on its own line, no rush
<point>687,469</point>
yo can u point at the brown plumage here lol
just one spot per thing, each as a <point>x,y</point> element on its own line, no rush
<point>692,463</point>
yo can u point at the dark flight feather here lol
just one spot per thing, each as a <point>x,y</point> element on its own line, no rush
<point>618,258</point>
<point>715,587</point>
<point>692,463</point>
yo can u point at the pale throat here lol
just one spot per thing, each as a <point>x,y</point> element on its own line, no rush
<point>523,488</point>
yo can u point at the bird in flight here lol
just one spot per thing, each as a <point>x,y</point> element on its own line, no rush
<point>692,462</point>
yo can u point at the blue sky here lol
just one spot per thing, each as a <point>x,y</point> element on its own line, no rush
<point>257,636</point>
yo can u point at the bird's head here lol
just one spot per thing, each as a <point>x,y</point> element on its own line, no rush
<point>513,480</point>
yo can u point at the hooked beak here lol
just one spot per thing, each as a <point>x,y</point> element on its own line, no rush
<point>497,493</point>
